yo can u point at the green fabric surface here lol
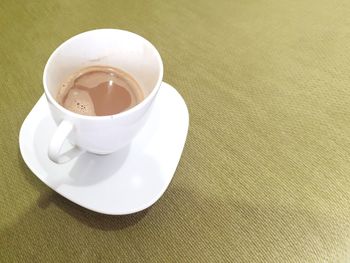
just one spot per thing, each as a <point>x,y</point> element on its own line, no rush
<point>265,173</point>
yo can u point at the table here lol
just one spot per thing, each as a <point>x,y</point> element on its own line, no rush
<point>265,173</point>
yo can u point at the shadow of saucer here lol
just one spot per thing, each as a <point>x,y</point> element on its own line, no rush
<point>30,177</point>
<point>48,197</point>
<point>90,218</point>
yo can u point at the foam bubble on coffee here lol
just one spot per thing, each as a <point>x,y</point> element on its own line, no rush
<point>79,101</point>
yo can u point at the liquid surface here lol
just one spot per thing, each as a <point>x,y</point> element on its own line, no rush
<point>99,91</point>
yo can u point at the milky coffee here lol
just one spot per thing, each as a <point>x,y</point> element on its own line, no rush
<point>99,91</point>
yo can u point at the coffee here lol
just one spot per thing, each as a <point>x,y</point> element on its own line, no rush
<point>99,91</point>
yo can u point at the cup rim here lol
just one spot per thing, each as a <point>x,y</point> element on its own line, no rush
<point>117,115</point>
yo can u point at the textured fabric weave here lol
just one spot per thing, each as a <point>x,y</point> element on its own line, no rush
<point>265,173</point>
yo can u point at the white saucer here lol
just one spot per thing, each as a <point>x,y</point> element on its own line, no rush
<point>124,182</point>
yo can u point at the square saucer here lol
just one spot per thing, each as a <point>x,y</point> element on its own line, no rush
<point>123,182</point>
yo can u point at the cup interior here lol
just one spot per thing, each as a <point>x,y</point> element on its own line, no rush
<point>105,47</point>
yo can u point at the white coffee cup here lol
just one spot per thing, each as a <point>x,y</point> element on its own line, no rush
<point>105,47</point>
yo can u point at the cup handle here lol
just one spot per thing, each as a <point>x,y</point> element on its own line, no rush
<point>57,140</point>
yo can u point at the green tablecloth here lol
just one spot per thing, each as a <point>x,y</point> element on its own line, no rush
<point>265,173</point>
